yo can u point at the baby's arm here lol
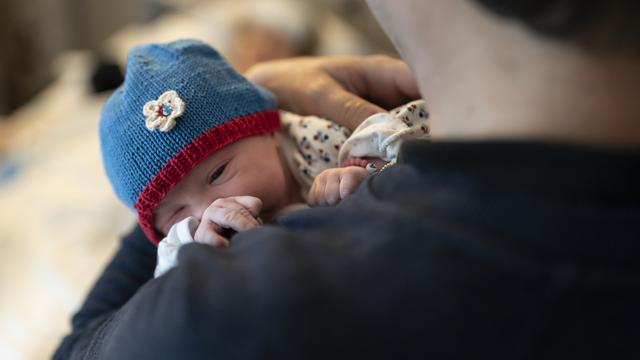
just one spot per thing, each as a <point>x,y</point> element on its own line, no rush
<point>372,145</point>
<point>237,213</point>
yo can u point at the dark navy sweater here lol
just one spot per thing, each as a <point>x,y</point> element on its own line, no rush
<point>461,251</point>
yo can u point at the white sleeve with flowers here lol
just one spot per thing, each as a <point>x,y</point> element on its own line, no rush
<point>380,135</point>
<point>317,144</point>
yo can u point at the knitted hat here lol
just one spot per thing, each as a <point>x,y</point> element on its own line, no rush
<point>180,103</point>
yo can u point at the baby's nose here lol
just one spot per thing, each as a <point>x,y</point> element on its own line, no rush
<point>197,209</point>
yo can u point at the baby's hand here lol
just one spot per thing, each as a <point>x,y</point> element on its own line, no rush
<point>239,213</point>
<point>333,185</point>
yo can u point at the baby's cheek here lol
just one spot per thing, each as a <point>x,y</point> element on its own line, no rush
<point>269,187</point>
<point>160,222</point>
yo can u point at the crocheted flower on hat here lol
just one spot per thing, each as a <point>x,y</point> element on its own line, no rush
<point>162,113</point>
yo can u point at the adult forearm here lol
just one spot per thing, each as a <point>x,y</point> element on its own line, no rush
<point>131,267</point>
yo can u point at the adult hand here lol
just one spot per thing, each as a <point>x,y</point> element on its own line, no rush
<point>239,213</point>
<point>344,89</point>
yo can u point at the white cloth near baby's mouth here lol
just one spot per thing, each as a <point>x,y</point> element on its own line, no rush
<point>180,233</point>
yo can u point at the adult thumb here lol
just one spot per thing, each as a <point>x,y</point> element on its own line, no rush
<point>348,109</point>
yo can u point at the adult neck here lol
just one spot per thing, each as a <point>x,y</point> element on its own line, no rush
<point>490,79</point>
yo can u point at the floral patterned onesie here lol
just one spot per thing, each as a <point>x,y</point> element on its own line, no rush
<point>313,144</point>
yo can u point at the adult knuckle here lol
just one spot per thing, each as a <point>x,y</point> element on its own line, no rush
<point>355,109</point>
<point>317,89</point>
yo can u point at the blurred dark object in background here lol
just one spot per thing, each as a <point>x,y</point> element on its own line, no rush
<point>106,76</point>
<point>22,56</point>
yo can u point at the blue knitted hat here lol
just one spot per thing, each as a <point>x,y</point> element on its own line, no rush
<point>180,103</point>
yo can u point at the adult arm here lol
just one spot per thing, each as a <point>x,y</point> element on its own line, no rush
<point>130,268</point>
<point>370,278</point>
<point>275,293</point>
<point>344,89</point>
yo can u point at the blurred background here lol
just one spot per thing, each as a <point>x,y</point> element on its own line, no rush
<point>59,219</point>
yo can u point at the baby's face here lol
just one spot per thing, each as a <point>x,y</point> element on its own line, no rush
<point>250,166</point>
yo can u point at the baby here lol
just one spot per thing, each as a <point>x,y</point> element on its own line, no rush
<point>195,148</point>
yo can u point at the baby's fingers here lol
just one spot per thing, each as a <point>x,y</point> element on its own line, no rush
<point>351,180</point>
<point>332,189</point>
<point>316,193</point>
<point>235,217</point>
<point>251,203</point>
<point>208,233</point>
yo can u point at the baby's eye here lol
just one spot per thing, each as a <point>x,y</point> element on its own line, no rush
<point>216,174</point>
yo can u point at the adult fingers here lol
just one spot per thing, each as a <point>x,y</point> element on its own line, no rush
<point>380,79</point>
<point>389,82</point>
<point>305,86</point>
<point>337,87</point>
<point>346,108</point>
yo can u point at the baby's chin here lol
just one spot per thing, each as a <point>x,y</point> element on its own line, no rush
<point>160,231</point>
<point>269,214</point>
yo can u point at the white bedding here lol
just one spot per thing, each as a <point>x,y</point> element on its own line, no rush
<point>59,220</point>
